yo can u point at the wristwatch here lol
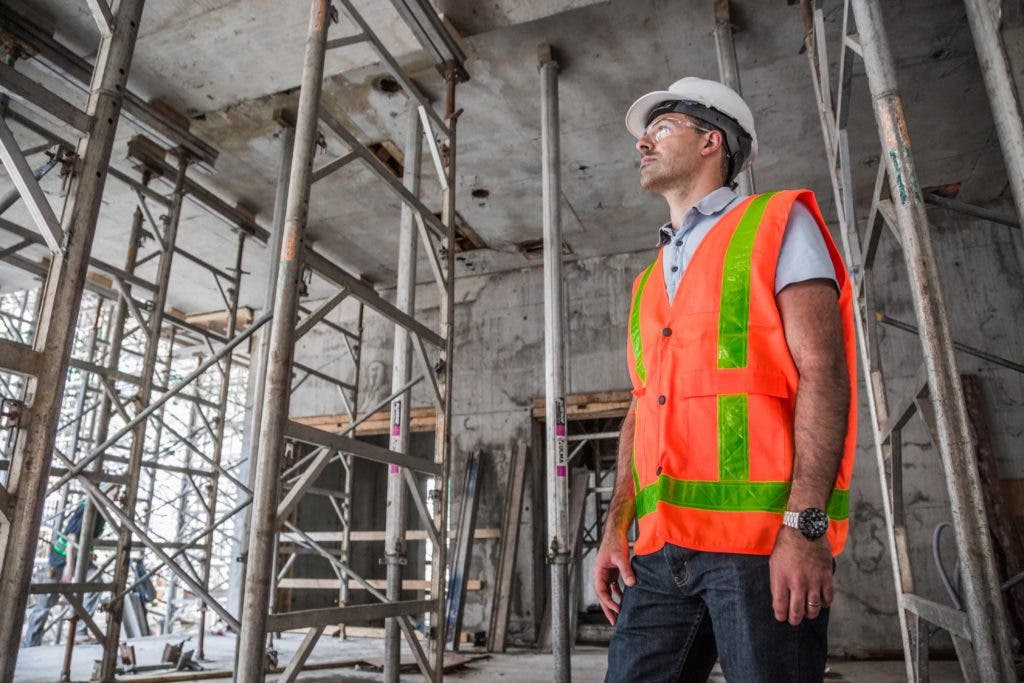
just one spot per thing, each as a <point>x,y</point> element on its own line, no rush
<point>812,522</point>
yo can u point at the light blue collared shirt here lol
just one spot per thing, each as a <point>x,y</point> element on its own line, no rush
<point>803,256</point>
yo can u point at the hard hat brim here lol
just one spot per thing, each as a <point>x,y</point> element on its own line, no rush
<point>636,116</point>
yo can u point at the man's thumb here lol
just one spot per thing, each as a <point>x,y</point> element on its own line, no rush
<point>626,571</point>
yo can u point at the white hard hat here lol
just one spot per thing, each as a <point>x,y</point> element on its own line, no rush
<point>708,101</point>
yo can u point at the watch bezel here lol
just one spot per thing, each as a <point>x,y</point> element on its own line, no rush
<point>812,523</point>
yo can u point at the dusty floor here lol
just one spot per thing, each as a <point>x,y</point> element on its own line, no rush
<point>43,663</point>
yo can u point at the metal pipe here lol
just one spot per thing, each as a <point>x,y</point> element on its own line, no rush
<point>554,371</point>
<point>985,613</point>
<point>729,72</point>
<point>401,370</point>
<point>168,395</point>
<point>258,368</point>
<point>990,215</point>
<point>347,460</point>
<point>218,442</point>
<point>72,451</point>
<point>254,619</point>
<point>130,496</point>
<point>1006,110</point>
<point>8,200</point>
<point>60,303</point>
<point>179,526</point>
<point>159,429</point>
<point>443,430</point>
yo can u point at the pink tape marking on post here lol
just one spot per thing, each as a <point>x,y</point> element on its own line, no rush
<point>560,470</point>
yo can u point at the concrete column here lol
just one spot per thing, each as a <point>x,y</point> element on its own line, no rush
<point>554,371</point>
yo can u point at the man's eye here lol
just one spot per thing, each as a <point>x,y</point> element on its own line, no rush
<point>660,134</point>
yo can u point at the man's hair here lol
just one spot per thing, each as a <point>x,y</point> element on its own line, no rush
<point>723,160</point>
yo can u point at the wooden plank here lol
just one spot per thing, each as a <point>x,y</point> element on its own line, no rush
<point>511,520</point>
<point>381,584</point>
<point>420,420</point>
<point>590,406</point>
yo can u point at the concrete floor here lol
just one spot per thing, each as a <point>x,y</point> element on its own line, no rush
<point>42,664</point>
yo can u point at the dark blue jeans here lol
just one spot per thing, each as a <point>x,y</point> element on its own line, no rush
<point>689,608</point>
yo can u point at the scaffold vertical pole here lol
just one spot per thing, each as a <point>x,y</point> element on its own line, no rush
<point>1006,108</point>
<point>981,589</point>
<point>258,364</point>
<point>554,372</point>
<point>401,371</point>
<point>729,72</point>
<point>154,328</point>
<point>262,533</point>
<point>218,442</point>
<point>61,298</point>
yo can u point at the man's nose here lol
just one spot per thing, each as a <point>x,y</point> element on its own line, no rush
<point>643,145</point>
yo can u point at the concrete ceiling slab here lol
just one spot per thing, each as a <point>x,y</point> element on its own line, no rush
<point>234,63</point>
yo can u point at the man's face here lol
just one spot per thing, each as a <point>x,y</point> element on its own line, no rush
<point>670,153</point>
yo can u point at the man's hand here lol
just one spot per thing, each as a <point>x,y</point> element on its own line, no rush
<point>68,574</point>
<point>612,563</point>
<point>801,576</point>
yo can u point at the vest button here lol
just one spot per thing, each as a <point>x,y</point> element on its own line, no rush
<point>659,471</point>
<point>661,400</point>
<point>667,332</point>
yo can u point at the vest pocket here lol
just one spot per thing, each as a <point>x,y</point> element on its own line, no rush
<point>736,423</point>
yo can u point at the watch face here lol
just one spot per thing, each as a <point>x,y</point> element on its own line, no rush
<point>813,523</point>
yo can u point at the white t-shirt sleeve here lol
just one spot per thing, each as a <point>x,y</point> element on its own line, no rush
<point>804,255</point>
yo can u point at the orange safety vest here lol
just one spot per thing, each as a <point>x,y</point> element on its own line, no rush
<point>716,387</point>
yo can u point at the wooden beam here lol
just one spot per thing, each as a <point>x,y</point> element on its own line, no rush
<point>420,420</point>
<point>603,404</point>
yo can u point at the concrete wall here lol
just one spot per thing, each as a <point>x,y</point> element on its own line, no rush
<point>499,356</point>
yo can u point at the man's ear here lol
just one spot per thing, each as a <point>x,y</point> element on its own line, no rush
<point>712,144</point>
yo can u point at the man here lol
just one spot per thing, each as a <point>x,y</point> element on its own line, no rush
<point>62,561</point>
<point>736,454</point>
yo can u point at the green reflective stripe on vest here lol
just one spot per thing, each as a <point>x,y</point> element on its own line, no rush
<point>635,338</point>
<point>60,545</point>
<point>730,496</point>
<point>733,438</point>
<point>734,307</point>
<point>636,475</point>
<point>733,337</point>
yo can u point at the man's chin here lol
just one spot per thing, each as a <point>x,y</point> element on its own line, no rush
<point>650,182</point>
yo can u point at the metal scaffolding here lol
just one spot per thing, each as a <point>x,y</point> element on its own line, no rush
<point>278,434</point>
<point>108,426</point>
<point>979,629</point>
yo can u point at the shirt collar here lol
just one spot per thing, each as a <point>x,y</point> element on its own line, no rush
<point>711,204</point>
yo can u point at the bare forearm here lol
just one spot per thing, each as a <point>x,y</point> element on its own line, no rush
<point>623,504</point>
<point>819,430</point>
